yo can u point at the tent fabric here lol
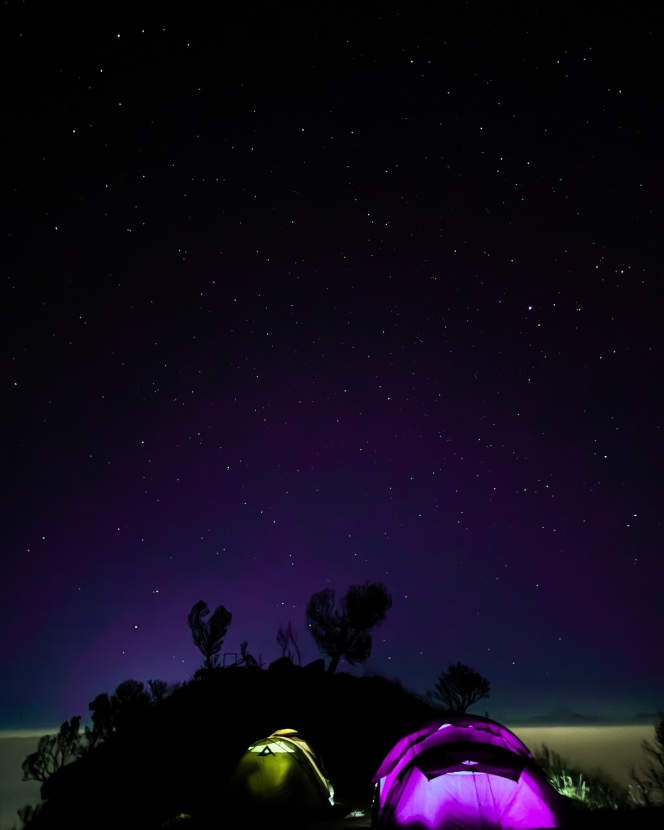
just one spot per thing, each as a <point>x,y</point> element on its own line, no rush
<point>463,772</point>
<point>281,771</point>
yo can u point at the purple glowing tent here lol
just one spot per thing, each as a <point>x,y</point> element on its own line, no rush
<point>464,772</point>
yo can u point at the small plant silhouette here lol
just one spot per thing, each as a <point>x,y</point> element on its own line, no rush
<point>287,642</point>
<point>247,659</point>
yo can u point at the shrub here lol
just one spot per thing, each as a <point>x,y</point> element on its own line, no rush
<point>591,792</point>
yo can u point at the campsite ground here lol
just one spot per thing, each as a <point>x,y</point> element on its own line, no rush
<point>633,820</point>
<point>636,819</point>
<point>340,822</point>
<point>347,815</point>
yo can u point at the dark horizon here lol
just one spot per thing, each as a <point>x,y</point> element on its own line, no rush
<point>551,720</point>
<point>295,301</point>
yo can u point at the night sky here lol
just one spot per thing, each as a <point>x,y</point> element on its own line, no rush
<point>299,296</point>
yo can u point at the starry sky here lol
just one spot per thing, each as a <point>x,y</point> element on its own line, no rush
<point>299,297</point>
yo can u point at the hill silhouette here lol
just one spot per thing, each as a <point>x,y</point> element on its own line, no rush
<point>174,757</point>
<point>564,716</point>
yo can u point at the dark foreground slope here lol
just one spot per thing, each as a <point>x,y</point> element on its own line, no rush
<point>173,758</point>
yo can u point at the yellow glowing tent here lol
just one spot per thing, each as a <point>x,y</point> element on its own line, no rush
<point>281,771</point>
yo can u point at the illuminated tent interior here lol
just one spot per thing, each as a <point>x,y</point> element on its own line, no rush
<point>281,771</point>
<point>464,772</point>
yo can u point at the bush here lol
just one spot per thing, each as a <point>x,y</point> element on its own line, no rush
<point>590,792</point>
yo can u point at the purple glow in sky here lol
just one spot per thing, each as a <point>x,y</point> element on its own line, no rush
<point>380,306</point>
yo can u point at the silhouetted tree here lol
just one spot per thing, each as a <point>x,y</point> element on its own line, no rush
<point>247,659</point>
<point>649,780</point>
<point>159,690</point>
<point>53,752</point>
<point>209,636</point>
<point>344,632</point>
<point>92,738</point>
<point>130,695</point>
<point>287,641</point>
<point>103,721</point>
<point>459,687</point>
<point>118,711</point>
